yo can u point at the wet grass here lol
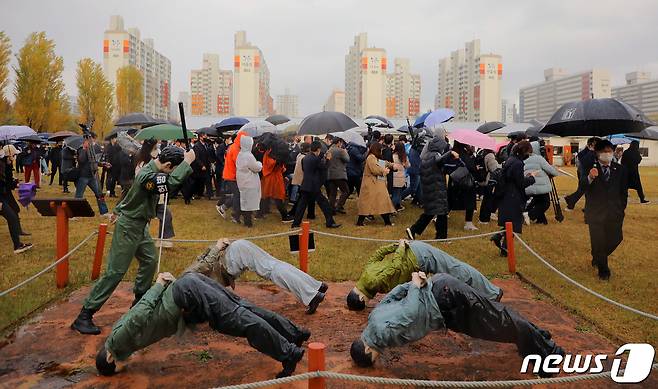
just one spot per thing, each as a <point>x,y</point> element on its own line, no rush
<point>565,245</point>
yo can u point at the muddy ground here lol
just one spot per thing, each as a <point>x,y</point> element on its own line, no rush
<point>46,353</point>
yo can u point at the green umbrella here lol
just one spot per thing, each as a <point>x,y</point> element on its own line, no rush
<point>163,132</point>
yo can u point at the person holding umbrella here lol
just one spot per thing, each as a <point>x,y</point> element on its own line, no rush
<point>32,162</point>
<point>8,207</point>
<point>138,207</point>
<point>88,168</point>
<point>606,195</point>
<point>585,160</point>
<point>631,160</point>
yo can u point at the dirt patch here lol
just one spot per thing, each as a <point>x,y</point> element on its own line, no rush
<point>46,353</point>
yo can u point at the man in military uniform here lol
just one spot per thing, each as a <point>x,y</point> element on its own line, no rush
<point>196,297</point>
<point>393,264</point>
<point>131,236</point>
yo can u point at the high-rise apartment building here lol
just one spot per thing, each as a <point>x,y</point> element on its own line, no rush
<point>287,104</point>
<point>251,79</point>
<point>540,101</point>
<point>335,102</point>
<point>508,112</point>
<point>365,79</point>
<point>402,91</point>
<point>470,84</point>
<point>123,47</point>
<point>211,88</point>
<point>641,92</point>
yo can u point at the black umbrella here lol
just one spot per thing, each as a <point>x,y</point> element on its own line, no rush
<point>488,127</point>
<point>61,135</point>
<point>232,123</point>
<point>325,122</point>
<point>596,117</point>
<point>535,130</point>
<point>136,119</point>
<point>516,134</point>
<point>210,131</point>
<point>387,123</point>
<point>74,142</point>
<point>650,133</point>
<point>116,130</point>
<point>277,119</point>
<point>32,139</point>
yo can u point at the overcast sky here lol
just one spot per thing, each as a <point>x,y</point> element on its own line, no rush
<point>304,41</point>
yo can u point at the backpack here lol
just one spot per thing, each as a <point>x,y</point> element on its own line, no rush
<point>497,182</point>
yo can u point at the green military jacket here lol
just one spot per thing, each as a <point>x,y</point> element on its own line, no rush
<point>388,267</point>
<point>142,198</point>
<point>154,317</point>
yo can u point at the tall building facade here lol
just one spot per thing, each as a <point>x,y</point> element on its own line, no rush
<point>641,92</point>
<point>365,79</point>
<point>541,100</point>
<point>508,111</point>
<point>211,88</point>
<point>402,91</point>
<point>335,102</point>
<point>287,104</point>
<point>123,47</point>
<point>251,79</point>
<point>469,83</point>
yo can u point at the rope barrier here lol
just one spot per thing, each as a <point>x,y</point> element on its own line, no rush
<point>397,240</point>
<point>292,232</point>
<point>423,383</point>
<point>588,290</point>
<point>52,265</point>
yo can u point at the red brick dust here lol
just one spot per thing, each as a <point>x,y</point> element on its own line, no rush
<point>46,353</point>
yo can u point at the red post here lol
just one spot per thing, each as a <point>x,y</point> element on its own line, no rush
<point>316,363</point>
<point>303,246</point>
<point>98,255</point>
<point>62,235</point>
<point>509,239</point>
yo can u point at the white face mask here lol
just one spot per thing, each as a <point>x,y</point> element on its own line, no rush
<point>155,153</point>
<point>605,157</point>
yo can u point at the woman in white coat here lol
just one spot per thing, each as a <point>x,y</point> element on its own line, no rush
<point>247,168</point>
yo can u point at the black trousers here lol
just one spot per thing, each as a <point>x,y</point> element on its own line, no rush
<point>333,186</point>
<point>466,311</point>
<point>604,239</point>
<point>55,167</point>
<point>538,207</point>
<point>354,183</point>
<point>305,199</point>
<point>488,205</point>
<point>13,222</point>
<point>111,183</point>
<point>441,225</point>
<point>265,207</point>
<point>203,299</point>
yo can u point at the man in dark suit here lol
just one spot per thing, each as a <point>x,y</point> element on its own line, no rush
<point>314,168</point>
<point>606,195</point>
<point>200,170</point>
<point>586,159</point>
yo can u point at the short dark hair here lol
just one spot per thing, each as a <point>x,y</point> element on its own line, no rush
<point>102,365</point>
<point>354,302</point>
<point>172,154</point>
<point>592,141</point>
<point>388,139</point>
<point>359,354</point>
<point>315,146</point>
<point>522,148</point>
<point>304,147</point>
<point>376,134</point>
<point>602,144</point>
<point>402,138</point>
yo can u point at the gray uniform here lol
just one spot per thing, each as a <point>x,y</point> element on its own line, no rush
<point>243,255</point>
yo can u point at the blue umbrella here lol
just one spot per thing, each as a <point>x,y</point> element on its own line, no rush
<point>15,132</point>
<point>420,120</point>
<point>232,123</point>
<point>439,116</point>
<point>620,139</point>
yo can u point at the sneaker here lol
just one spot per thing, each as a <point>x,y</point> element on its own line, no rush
<point>644,201</point>
<point>221,210</point>
<point>526,218</point>
<point>23,247</point>
<point>234,220</point>
<point>493,217</point>
<point>410,234</point>
<point>469,226</point>
<point>287,219</point>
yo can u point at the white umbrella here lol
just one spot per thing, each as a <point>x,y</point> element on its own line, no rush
<point>15,132</point>
<point>351,136</point>
<point>258,128</point>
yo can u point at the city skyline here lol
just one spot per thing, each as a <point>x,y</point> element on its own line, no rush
<point>527,40</point>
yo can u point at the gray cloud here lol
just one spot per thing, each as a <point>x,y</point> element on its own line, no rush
<point>304,42</point>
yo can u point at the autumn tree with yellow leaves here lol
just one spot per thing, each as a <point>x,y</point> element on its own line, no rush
<point>129,90</point>
<point>95,97</point>
<point>5,57</point>
<point>40,99</point>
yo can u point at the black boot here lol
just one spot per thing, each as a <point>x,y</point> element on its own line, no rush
<point>290,364</point>
<point>313,305</point>
<point>304,335</point>
<point>84,323</point>
<point>323,288</point>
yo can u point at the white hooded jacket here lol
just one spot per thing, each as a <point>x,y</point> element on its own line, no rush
<point>247,168</point>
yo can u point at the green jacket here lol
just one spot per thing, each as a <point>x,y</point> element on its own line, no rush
<point>142,198</point>
<point>154,317</point>
<point>389,267</point>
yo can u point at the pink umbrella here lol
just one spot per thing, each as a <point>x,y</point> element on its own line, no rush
<point>500,145</point>
<point>473,138</point>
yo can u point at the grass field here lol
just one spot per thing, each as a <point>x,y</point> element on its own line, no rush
<point>565,245</point>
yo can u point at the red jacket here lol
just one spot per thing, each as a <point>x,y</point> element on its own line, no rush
<point>272,183</point>
<point>231,156</point>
